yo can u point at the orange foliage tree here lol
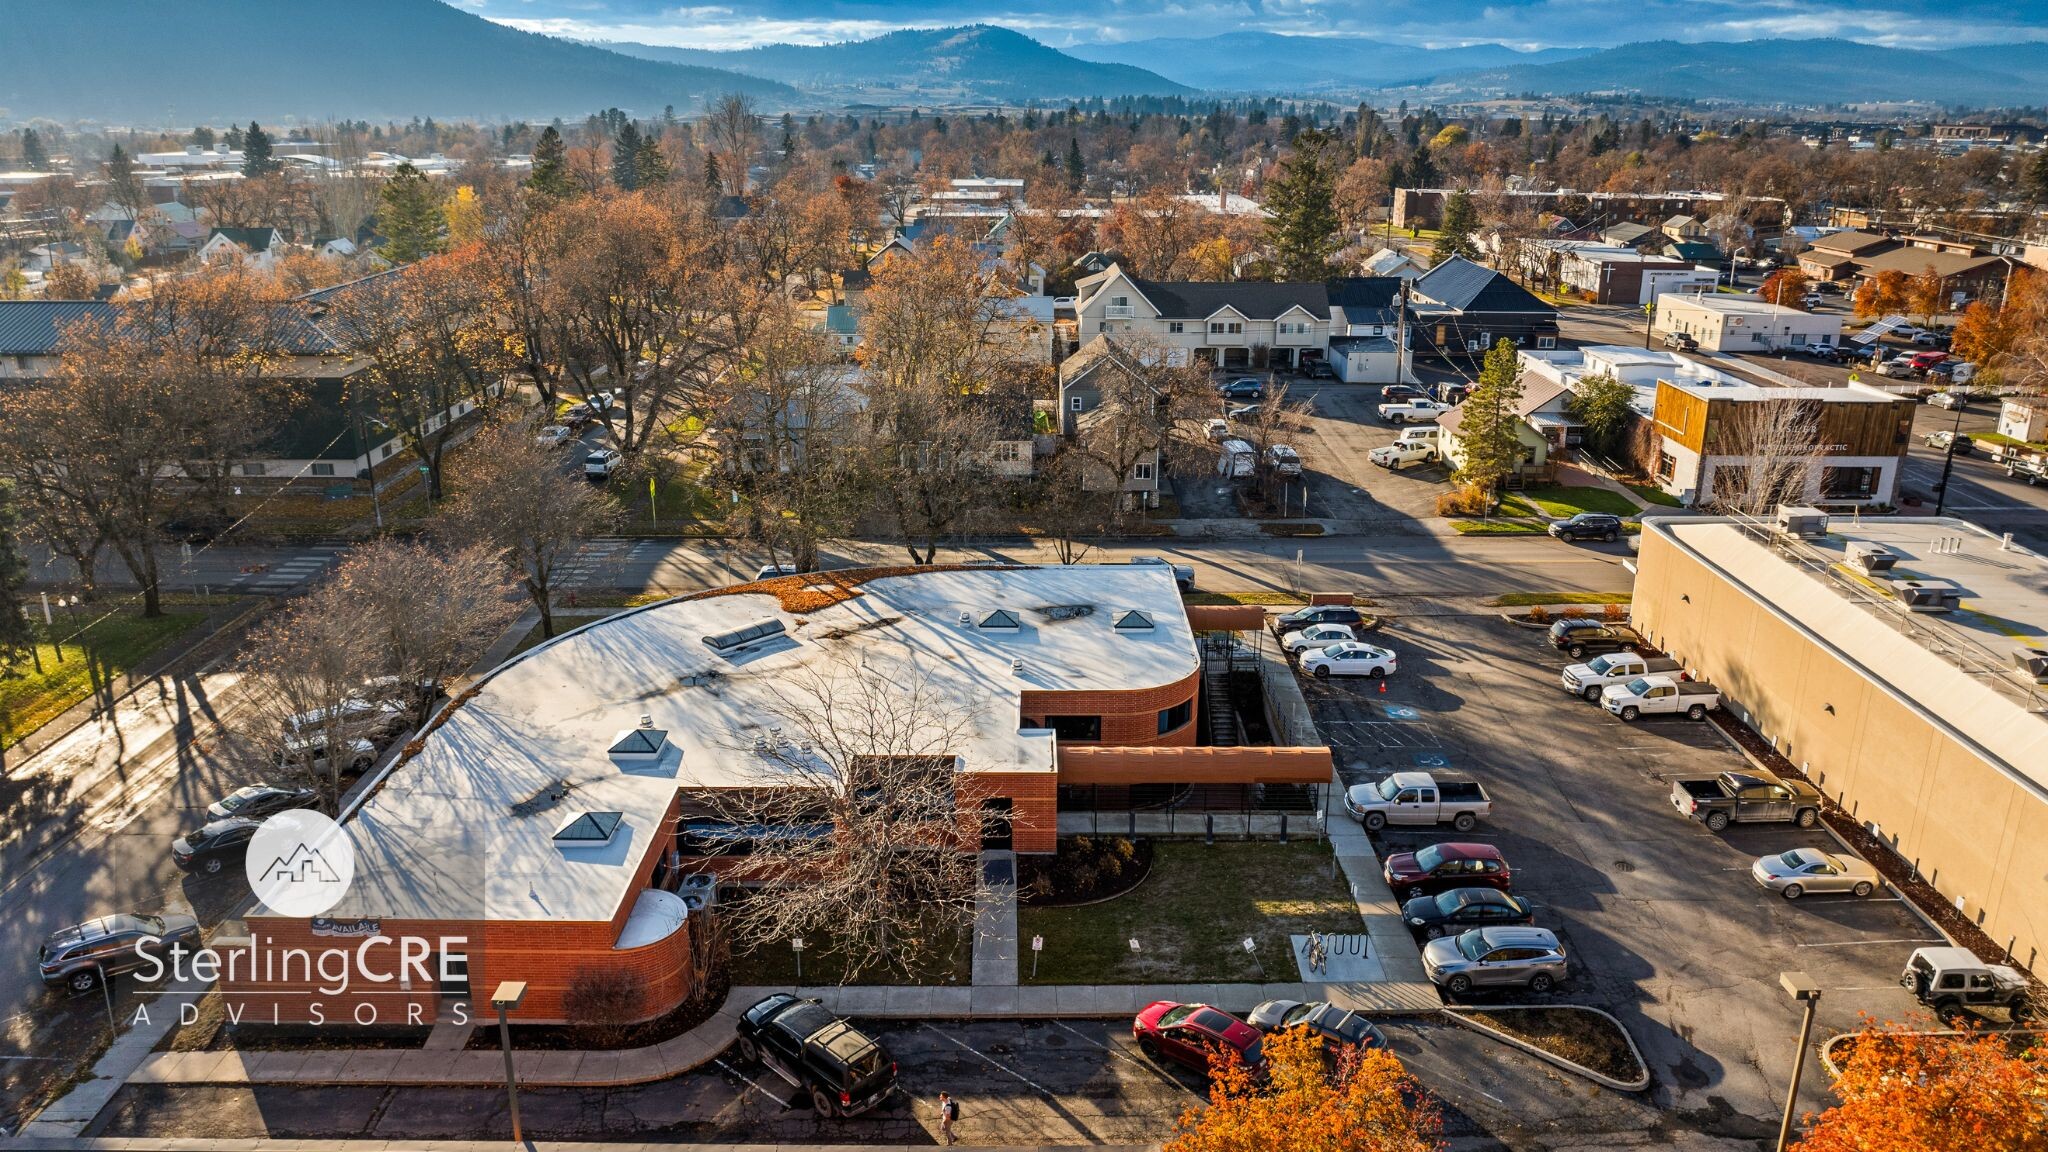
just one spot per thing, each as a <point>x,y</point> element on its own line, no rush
<point>1882,295</point>
<point>1927,295</point>
<point>1905,1091</point>
<point>1369,1104</point>
<point>2008,340</point>
<point>1787,286</point>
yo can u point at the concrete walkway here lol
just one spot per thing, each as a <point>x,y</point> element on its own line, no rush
<point>67,1117</point>
<point>995,922</point>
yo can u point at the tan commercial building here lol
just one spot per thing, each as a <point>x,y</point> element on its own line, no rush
<point>1885,658</point>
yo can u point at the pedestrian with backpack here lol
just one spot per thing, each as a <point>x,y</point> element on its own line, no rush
<point>949,1111</point>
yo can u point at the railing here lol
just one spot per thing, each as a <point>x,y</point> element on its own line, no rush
<point>1119,312</point>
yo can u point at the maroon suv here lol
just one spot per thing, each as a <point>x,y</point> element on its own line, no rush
<point>1187,1033</point>
<point>1441,867</point>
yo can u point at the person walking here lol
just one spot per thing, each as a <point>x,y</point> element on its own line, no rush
<point>949,1111</point>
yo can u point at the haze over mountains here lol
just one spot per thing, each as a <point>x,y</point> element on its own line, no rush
<point>1273,62</point>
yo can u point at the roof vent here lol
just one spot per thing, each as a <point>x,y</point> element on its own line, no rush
<point>1134,621</point>
<point>1017,666</point>
<point>740,639</point>
<point>1928,595</point>
<point>2031,663</point>
<point>1802,520</point>
<point>589,830</point>
<point>1001,618</point>
<point>966,618</point>
<point>647,719</point>
<point>1871,557</point>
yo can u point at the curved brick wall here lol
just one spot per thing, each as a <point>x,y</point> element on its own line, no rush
<point>1129,717</point>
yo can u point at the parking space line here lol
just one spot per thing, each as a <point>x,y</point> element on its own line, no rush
<point>1109,1048</point>
<point>751,1082</point>
<point>1047,1092</point>
<point>1852,943</point>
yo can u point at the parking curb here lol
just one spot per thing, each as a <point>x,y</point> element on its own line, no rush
<point>1602,1079</point>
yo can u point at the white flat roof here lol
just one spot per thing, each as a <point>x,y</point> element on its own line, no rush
<point>1951,667</point>
<point>1730,305</point>
<point>464,830</point>
<point>1735,388</point>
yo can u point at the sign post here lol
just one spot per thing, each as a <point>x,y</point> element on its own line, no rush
<point>1251,949</point>
<point>1037,946</point>
<point>796,945</point>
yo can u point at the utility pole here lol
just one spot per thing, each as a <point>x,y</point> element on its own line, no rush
<point>1948,460</point>
<point>1401,335</point>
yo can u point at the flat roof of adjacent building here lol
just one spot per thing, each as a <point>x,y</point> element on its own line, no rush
<point>1746,390</point>
<point>1954,669</point>
<point>1730,305</point>
<point>465,829</point>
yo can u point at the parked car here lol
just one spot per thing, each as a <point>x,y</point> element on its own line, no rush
<point>600,464</point>
<point>1441,867</point>
<point>1402,453</point>
<point>1283,460</point>
<point>1566,624</point>
<point>79,957</point>
<point>1952,981</point>
<point>1680,342</point>
<point>1341,1030</point>
<point>1066,302</point>
<point>1522,957</point>
<point>1660,695</point>
<point>554,436</point>
<point>1589,679</point>
<point>214,845</point>
<point>1318,370</point>
<point>1752,797</point>
<point>1587,526</point>
<point>309,753</point>
<point>1458,909</point>
<point>2032,469</point>
<point>1318,636</point>
<point>1826,352</point>
<point>1926,339</point>
<point>1216,428</point>
<point>844,1072</point>
<point>1396,392</point>
<point>775,571</point>
<point>1922,361</point>
<point>1578,643</point>
<point>1811,299</point>
<point>1350,659</point>
<point>1896,370</point>
<point>1795,873</point>
<point>1413,411</point>
<point>1243,412</point>
<point>1183,574</point>
<point>259,800</point>
<point>1187,1033</point>
<point>1242,389</point>
<point>1946,437</point>
<point>406,695</point>
<point>376,719</point>
<point>578,415</point>
<point>1418,798</point>
<point>1951,399</point>
<point>1301,618</point>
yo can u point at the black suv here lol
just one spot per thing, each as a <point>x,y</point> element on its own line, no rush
<point>82,955</point>
<point>1301,618</point>
<point>1588,526</point>
<point>845,1072</point>
<point>214,844</point>
<point>1580,643</point>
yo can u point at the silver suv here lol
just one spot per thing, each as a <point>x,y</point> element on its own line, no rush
<point>1495,956</point>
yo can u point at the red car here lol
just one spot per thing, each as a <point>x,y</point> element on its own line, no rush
<point>1922,361</point>
<point>1187,1033</point>
<point>1441,867</point>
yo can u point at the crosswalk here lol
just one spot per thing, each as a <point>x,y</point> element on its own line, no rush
<point>599,563</point>
<point>285,575</point>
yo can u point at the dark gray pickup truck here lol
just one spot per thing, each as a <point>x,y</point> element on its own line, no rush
<point>1750,797</point>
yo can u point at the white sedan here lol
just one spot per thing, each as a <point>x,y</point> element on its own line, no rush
<point>1793,874</point>
<point>1318,636</point>
<point>1349,659</point>
<point>553,436</point>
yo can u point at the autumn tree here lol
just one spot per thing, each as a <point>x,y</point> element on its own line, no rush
<point>1489,431</point>
<point>1361,191</point>
<point>17,635</point>
<point>70,281</point>
<point>1908,1091</point>
<point>730,126</point>
<point>462,217</point>
<point>1149,402</point>
<point>1155,234</point>
<point>409,216</point>
<point>1302,201</point>
<point>1927,295</point>
<point>513,497</point>
<point>2008,339</point>
<point>1786,286</point>
<point>1369,1103</point>
<point>1882,295</point>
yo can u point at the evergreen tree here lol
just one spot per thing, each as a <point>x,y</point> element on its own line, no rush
<point>626,158</point>
<point>202,137</point>
<point>1421,170</point>
<point>650,167</point>
<point>713,179</point>
<point>550,175</point>
<point>256,157</point>
<point>409,216</point>
<point>2034,180</point>
<point>32,155</point>
<point>123,186</point>
<point>1077,169</point>
<point>1454,237</point>
<point>1302,202</point>
<point>1488,433</point>
<point>17,635</point>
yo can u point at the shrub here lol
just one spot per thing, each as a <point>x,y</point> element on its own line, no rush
<point>603,1002</point>
<point>1540,614</point>
<point>1573,612</point>
<point>1464,500</point>
<point>1613,613</point>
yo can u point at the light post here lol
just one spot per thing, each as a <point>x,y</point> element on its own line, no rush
<point>1743,251</point>
<point>1800,987</point>
<point>506,998</point>
<point>1948,460</point>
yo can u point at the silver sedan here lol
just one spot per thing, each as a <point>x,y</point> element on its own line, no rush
<point>1793,874</point>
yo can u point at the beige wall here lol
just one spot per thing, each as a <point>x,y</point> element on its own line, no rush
<point>1974,832</point>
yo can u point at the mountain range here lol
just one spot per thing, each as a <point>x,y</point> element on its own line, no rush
<point>1273,62</point>
<point>209,60</point>
<point>974,63</point>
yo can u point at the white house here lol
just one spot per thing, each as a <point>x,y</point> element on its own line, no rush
<point>1233,325</point>
<point>1367,344</point>
<point>258,247</point>
<point>1742,323</point>
<point>2024,418</point>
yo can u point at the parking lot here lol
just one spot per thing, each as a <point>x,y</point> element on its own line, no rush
<point>1663,924</point>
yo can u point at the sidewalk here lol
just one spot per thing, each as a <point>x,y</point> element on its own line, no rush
<point>67,1117</point>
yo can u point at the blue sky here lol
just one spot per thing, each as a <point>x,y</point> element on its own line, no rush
<point>1523,23</point>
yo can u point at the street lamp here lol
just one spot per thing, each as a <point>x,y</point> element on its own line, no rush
<point>1948,460</point>
<point>1800,987</point>
<point>507,997</point>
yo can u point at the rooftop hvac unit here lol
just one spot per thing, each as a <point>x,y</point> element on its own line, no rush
<point>1802,520</point>
<point>2031,663</point>
<point>1872,557</point>
<point>1928,595</point>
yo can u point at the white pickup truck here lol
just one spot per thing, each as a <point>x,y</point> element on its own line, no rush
<point>1614,668</point>
<point>1660,694</point>
<point>1418,798</point>
<point>1402,453</point>
<point>1413,411</point>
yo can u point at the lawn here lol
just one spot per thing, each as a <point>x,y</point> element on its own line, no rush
<point>1560,502</point>
<point>106,650</point>
<point>948,960</point>
<point>1266,599</point>
<point>1524,599</point>
<point>1497,527</point>
<point>1192,914</point>
<point>1655,495</point>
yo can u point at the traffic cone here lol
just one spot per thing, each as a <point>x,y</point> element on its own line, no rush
<point>1383,687</point>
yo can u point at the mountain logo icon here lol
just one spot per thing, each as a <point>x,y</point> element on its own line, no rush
<point>300,863</point>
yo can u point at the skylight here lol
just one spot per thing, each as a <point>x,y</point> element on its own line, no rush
<point>1000,618</point>
<point>589,829</point>
<point>1133,621</point>
<point>639,742</point>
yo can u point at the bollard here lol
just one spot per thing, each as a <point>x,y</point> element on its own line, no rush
<point>1209,829</point>
<point>1283,827</point>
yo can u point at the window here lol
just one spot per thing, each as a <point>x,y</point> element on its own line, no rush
<point>1175,327</point>
<point>323,469</point>
<point>1221,328</point>
<point>1379,329</point>
<point>1009,451</point>
<point>386,454</point>
<point>1075,404</point>
<point>1075,728</point>
<point>1546,342</point>
<point>1667,466</point>
<point>1174,718</point>
<point>1142,470</point>
<point>252,469</point>
<point>1119,301</point>
<point>1848,483</point>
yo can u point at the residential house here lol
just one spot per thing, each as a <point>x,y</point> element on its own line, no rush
<point>1683,228</point>
<point>1611,273</point>
<point>842,329</point>
<point>1098,387</point>
<point>1629,234</point>
<point>2024,418</point>
<point>1965,276</point>
<point>1237,324</point>
<point>259,247</point>
<point>1367,344</point>
<point>1702,447</point>
<point>1393,262</point>
<point>1723,323</point>
<point>1463,308</point>
<point>170,228</point>
<point>1694,252</point>
<point>1548,397</point>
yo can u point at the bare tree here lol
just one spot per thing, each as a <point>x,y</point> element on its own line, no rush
<point>1149,402</point>
<point>730,127</point>
<point>1770,452</point>
<point>858,769</point>
<point>1068,505</point>
<point>514,499</point>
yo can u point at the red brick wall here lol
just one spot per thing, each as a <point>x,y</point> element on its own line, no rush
<point>1034,804</point>
<point>1226,617</point>
<point>1128,717</point>
<point>1081,764</point>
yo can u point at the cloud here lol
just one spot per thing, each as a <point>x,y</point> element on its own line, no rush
<point>1524,23</point>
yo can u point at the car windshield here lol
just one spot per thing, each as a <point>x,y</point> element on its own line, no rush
<point>1639,687</point>
<point>1472,945</point>
<point>1176,1014</point>
<point>1601,664</point>
<point>1797,858</point>
<point>1388,789</point>
<point>1429,858</point>
<point>127,922</point>
<point>1449,902</point>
